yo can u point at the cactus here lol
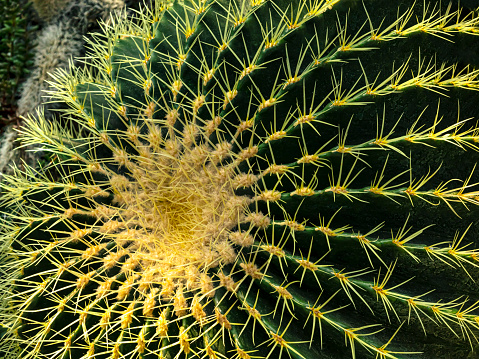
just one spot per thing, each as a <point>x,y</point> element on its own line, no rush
<point>254,179</point>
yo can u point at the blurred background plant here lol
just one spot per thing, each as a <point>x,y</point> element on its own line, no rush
<point>17,31</point>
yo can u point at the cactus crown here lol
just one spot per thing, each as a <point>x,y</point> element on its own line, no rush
<point>254,179</point>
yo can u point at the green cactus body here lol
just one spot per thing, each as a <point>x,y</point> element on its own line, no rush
<point>264,179</point>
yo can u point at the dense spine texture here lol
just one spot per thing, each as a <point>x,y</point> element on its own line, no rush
<point>255,179</point>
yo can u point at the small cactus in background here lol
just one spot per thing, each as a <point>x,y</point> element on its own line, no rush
<point>255,179</point>
<point>60,41</point>
<point>47,9</point>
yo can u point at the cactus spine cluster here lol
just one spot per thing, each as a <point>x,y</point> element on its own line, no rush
<point>255,179</point>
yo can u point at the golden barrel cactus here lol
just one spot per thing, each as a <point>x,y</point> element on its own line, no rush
<point>254,179</point>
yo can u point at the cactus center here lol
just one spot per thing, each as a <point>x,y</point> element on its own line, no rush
<point>177,212</point>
